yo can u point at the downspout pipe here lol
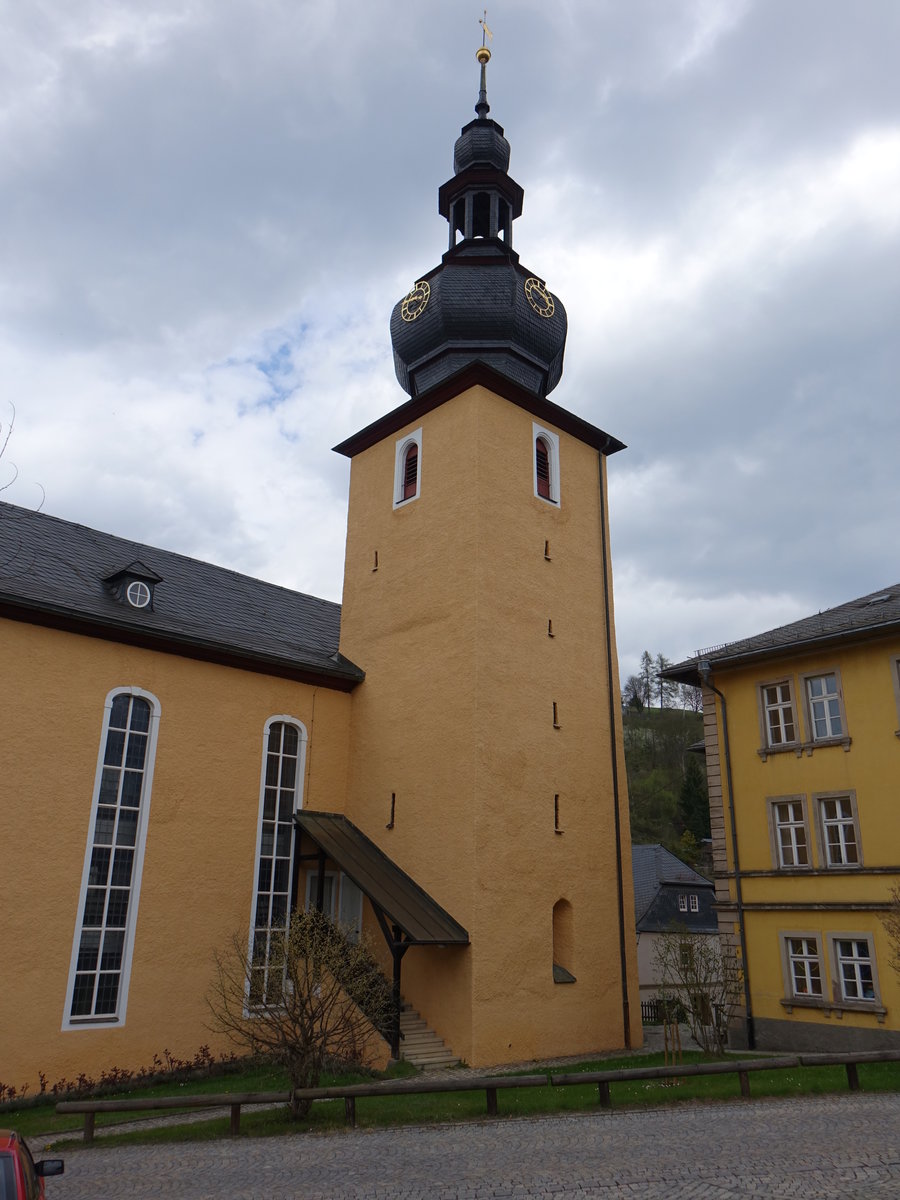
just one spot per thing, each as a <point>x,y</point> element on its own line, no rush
<point>706,676</point>
<point>614,703</point>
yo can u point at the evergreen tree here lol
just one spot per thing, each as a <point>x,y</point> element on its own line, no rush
<point>693,799</point>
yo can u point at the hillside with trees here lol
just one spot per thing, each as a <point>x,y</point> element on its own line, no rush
<point>666,780</point>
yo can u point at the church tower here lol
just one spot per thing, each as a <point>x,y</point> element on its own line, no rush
<point>485,753</point>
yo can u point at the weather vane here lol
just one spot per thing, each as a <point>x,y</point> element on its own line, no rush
<point>485,32</point>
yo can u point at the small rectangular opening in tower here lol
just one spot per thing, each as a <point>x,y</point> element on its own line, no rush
<point>556,724</point>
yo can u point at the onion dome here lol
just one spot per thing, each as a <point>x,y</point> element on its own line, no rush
<point>479,305</point>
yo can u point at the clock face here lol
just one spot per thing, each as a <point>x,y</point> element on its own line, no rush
<point>539,298</point>
<point>414,304</point>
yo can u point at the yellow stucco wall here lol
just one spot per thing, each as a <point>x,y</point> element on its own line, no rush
<point>869,768</point>
<point>198,874</point>
<point>455,719</point>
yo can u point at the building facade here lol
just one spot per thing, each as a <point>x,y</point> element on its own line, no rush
<point>438,762</point>
<point>670,898</point>
<point>802,728</point>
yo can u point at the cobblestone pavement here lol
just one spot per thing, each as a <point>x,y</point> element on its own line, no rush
<point>815,1147</point>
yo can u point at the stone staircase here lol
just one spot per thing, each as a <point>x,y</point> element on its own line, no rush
<point>420,1045</point>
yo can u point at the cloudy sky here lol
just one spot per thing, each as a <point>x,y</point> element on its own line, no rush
<point>209,207</point>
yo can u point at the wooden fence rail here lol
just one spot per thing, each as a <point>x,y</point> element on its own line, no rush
<point>489,1084</point>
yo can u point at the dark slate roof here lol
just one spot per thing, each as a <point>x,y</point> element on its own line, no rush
<point>402,901</point>
<point>659,878</point>
<point>54,572</point>
<point>873,615</point>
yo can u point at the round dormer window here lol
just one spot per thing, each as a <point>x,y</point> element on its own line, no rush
<point>138,594</point>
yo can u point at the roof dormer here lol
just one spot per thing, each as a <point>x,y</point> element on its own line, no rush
<point>133,585</point>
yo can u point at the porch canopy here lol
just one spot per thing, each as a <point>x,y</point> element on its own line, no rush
<point>408,916</point>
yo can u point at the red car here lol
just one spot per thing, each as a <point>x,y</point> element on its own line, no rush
<point>21,1178</point>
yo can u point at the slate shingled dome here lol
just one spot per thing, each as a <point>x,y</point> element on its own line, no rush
<point>477,310</point>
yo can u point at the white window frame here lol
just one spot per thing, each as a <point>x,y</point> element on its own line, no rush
<point>118,1017</point>
<point>776,826</point>
<point>806,956</point>
<point>280,719</point>
<point>822,824</point>
<point>837,960</point>
<point>841,737</point>
<point>694,902</point>
<point>682,902</point>
<point>400,448</point>
<point>341,894</point>
<point>765,708</point>
<point>552,441</point>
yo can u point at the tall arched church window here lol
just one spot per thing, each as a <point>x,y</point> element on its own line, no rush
<point>281,789</point>
<point>545,456</point>
<point>107,908</point>
<point>408,468</point>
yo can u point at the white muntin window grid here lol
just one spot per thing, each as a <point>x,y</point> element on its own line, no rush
<point>792,843</point>
<point>103,943</point>
<point>855,968</point>
<point>824,700</point>
<point>280,797</point>
<point>840,836</point>
<point>781,726</point>
<point>805,966</point>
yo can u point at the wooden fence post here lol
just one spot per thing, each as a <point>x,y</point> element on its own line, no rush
<point>235,1127</point>
<point>350,1110</point>
<point>604,1095</point>
<point>491,1094</point>
<point>745,1084</point>
<point>89,1118</point>
<point>853,1076</point>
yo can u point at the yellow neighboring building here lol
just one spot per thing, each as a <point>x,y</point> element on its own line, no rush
<point>187,752</point>
<point>803,758</point>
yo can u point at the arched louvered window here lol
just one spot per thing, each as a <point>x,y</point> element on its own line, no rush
<point>284,751</point>
<point>104,933</point>
<point>411,472</point>
<point>407,468</point>
<point>545,456</point>
<point>542,467</point>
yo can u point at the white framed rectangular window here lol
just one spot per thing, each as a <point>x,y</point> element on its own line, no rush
<point>779,718</point>
<point>682,902</point>
<point>825,716</point>
<point>341,900</point>
<point>838,830</point>
<point>695,903</point>
<point>100,968</point>
<point>545,463</point>
<point>789,831</point>
<point>408,468</point>
<point>853,967</point>
<point>804,972</point>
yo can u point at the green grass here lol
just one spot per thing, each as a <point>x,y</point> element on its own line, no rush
<point>41,1117</point>
<point>456,1106</point>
